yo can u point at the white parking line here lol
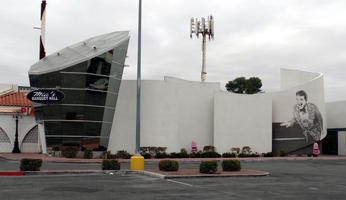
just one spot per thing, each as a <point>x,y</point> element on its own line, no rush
<point>179,182</point>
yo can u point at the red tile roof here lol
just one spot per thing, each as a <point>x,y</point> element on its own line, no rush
<point>15,99</point>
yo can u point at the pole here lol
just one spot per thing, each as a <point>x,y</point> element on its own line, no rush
<point>16,143</point>
<point>138,111</point>
<point>203,73</point>
<point>43,29</point>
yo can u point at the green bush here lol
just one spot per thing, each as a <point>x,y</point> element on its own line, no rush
<point>110,165</point>
<point>174,155</point>
<point>210,154</point>
<point>231,165</point>
<point>229,155</point>
<point>146,155</point>
<point>183,153</point>
<point>168,165</point>
<point>88,154</point>
<point>29,164</point>
<point>70,151</point>
<point>161,155</point>
<point>246,150</point>
<point>195,155</point>
<point>108,155</point>
<point>208,167</point>
<point>123,154</point>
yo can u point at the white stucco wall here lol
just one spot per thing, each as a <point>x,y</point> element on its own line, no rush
<point>243,120</point>
<point>336,114</point>
<point>8,124</point>
<point>174,112</point>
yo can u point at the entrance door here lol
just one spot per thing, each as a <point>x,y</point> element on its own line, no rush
<point>330,143</point>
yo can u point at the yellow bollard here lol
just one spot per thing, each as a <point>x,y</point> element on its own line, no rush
<point>137,162</point>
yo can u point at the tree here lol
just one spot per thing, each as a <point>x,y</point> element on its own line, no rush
<point>242,85</point>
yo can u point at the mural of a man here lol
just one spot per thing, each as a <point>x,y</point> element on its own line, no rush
<point>307,116</point>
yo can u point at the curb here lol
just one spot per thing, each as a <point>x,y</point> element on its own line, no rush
<point>11,173</point>
<point>108,172</point>
<point>124,172</point>
<point>216,175</point>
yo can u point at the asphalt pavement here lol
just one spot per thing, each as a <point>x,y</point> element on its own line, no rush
<point>309,179</point>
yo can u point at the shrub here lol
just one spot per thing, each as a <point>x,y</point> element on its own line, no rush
<point>195,155</point>
<point>108,155</point>
<point>235,150</point>
<point>29,164</point>
<point>161,149</point>
<point>209,148</point>
<point>231,165</point>
<point>146,155</point>
<point>123,154</point>
<point>246,150</point>
<point>210,154</point>
<point>88,154</point>
<point>70,151</point>
<point>150,152</point>
<point>245,155</point>
<point>174,155</point>
<point>282,153</point>
<point>161,155</point>
<point>168,165</point>
<point>208,167</point>
<point>144,151</point>
<point>183,153</point>
<point>110,165</point>
<point>268,154</point>
<point>229,155</point>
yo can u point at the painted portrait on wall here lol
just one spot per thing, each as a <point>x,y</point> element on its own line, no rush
<point>307,115</point>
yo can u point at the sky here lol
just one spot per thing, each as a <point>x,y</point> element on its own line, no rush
<point>252,38</point>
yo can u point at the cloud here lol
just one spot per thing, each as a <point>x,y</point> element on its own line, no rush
<point>252,38</point>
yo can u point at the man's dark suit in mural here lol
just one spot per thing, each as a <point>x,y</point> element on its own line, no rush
<point>307,116</point>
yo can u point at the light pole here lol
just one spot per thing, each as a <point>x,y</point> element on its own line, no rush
<point>138,107</point>
<point>205,28</point>
<point>137,161</point>
<point>16,142</point>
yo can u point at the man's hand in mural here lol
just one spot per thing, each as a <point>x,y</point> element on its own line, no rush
<point>287,124</point>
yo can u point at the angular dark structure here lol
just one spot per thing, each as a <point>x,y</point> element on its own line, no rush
<point>89,74</point>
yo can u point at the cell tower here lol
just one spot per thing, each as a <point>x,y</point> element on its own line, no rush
<point>205,28</point>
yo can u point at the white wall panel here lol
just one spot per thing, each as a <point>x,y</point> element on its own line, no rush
<point>243,120</point>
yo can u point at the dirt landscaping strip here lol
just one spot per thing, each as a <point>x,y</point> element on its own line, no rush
<point>194,173</point>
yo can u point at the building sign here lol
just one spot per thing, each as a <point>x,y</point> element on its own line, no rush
<point>27,110</point>
<point>45,96</point>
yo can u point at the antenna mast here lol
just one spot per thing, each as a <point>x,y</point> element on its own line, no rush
<point>205,28</point>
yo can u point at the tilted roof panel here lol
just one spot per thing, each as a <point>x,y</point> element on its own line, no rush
<point>79,52</point>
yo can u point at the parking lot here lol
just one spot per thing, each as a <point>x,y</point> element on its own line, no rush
<point>309,179</point>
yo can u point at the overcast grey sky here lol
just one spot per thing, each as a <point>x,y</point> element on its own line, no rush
<point>252,38</point>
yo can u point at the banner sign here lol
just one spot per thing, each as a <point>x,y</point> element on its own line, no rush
<point>45,96</point>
